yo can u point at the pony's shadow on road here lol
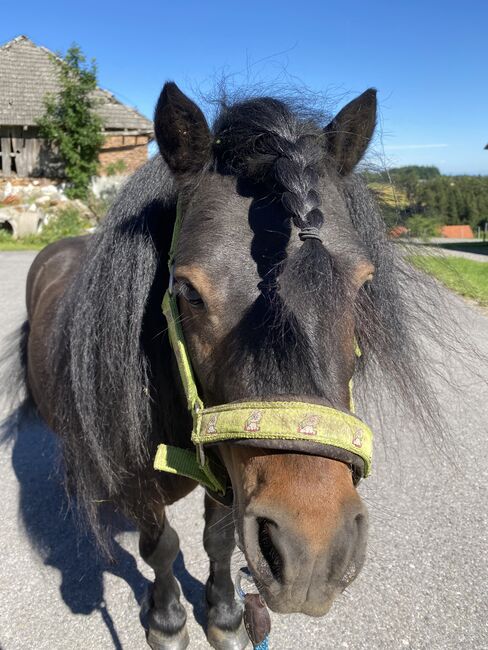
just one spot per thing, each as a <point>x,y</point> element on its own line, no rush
<point>54,531</point>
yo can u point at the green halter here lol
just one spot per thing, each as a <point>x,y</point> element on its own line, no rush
<point>256,420</point>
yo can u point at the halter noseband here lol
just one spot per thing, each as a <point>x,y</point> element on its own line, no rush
<point>294,426</point>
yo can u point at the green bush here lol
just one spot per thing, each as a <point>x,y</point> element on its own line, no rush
<point>98,206</point>
<point>420,225</point>
<point>68,222</point>
<point>5,235</point>
<point>70,122</point>
<point>118,167</point>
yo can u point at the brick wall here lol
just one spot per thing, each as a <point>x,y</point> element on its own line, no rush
<point>132,149</point>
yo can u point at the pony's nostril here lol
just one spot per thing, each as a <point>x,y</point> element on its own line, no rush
<point>361,524</point>
<point>268,550</point>
<point>355,550</point>
<point>359,520</point>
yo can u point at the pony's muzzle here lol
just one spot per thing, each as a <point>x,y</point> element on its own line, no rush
<point>302,527</point>
<point>293,573</point>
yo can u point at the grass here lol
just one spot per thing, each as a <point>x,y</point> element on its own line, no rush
<point>389,195</point>
<point>7,243</point>
<point>466,277</point>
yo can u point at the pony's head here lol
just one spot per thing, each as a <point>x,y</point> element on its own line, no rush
<point>269,272</point>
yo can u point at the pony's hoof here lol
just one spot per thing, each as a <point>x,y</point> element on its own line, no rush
<point>160,641</point>
<point>225,640</point>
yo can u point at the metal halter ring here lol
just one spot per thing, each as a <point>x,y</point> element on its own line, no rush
<point>243,574</point>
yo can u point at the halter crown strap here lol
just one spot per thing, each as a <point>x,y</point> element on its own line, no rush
<point>176,235</point>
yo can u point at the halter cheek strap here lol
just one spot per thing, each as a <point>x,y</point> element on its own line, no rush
<point>327,428</point>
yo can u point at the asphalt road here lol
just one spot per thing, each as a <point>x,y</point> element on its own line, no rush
<point>420,248</point>
<point>424,584</point>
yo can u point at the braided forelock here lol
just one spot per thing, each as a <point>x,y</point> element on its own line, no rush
<point>262,140</point>
<point>296,172</point>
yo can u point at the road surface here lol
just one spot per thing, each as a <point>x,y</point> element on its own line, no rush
<point>424,584</point>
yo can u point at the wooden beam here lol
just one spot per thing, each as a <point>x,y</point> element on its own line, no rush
<point>19,151</point>
<point>6,164</point>
<point>149,134</point>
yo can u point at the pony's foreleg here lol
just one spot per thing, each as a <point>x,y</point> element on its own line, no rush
<point>167,617</point>
<point>225,629</point>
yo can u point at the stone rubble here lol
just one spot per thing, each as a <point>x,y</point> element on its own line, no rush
<point>27,204</point>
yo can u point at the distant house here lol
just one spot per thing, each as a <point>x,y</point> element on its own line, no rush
<point>457,232</point>
<point>27,74</point>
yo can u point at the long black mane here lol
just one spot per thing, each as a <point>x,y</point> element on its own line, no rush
<point>113,385</point>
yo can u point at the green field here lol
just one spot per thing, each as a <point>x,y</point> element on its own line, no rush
<point>463,276</point>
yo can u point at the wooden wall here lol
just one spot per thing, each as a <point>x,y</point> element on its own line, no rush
<point>23,154</point>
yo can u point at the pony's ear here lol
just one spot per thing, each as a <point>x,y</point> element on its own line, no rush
<point>181,131</point>
<point>350,132</point>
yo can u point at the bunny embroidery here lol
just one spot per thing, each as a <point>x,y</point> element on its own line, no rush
<point>309,425</point>
<point>252,422</point>
<point>211,426</point>
<point>357,441</point>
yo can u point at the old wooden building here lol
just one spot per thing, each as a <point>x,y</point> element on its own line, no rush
<point>27,74</point>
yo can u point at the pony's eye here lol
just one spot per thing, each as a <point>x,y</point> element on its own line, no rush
<point>189,293</point>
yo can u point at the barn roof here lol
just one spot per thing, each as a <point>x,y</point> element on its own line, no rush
<point>27,74</point>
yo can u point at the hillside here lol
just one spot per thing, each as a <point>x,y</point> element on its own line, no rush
<point>421,197</point>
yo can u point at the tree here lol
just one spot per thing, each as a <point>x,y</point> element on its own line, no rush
<point>425,200</point>
<point>429,196</point>
<point>70,122</point>
<point>423,226</point>
<point>453,203</point>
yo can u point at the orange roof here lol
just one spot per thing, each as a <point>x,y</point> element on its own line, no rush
<point>398,231</point>
<point>457,232</point>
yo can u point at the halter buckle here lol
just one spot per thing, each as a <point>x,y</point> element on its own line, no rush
<point>201,455</point>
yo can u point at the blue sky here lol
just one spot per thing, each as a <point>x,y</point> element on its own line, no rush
<point>427,59</point>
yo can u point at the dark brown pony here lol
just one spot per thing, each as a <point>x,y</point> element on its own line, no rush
<point>281,264</point>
